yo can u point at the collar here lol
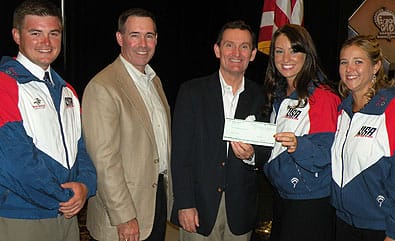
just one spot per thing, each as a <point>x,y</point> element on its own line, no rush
<point>225,88</point>
<point>137,76</point>
<point>36,70</point>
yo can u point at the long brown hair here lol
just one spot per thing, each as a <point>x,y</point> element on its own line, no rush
<point>311,73</point>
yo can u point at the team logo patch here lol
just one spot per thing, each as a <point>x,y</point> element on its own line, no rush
<point>366,131</point>
<point>69,102</point>
<point>294,181</point>
<point>293,113</point>
<point>380,199</point>
<point>381,101</point>
<point>38,103</point>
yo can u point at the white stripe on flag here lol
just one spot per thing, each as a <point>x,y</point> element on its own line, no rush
<point>285,6</point>
<point>267,19</point>
<point>294,15</point>
<point>297,13</point>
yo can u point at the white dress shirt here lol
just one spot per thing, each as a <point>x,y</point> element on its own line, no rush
<point>230,101</point>
<point>155,109</point>
<point>32,67</point>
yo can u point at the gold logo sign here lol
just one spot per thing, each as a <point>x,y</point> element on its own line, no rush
<point>384,19</point>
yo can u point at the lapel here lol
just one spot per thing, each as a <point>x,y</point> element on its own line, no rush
<point>214,103</point>
<point>130,91</point>
<point>245,102</point>
<point>158,86</point>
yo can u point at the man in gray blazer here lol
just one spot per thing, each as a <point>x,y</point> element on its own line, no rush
<point>126,123</point>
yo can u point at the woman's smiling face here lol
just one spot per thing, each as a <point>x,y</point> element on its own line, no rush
<point>287,61</point>
<point>356,69</point>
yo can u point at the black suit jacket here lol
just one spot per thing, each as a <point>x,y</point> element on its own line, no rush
<point>201,169</point>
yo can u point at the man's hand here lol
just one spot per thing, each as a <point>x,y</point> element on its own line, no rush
<point>128,231</point>
<point>76,203</point>
<point>189,219</point>
<point>242,150</point>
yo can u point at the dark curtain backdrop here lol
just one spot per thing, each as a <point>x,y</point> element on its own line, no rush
<point>187,32</point>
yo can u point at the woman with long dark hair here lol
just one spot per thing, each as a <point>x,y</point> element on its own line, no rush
<point>303,103</point>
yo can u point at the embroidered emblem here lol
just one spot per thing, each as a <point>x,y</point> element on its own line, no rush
<point>380,199</point>
<point>294,181</point>
<point>11,71</point>
<point>38,103</point>
<point>366,131</point>
<point>293,113</point>
<point>381,101</point>
<point>69,102</point>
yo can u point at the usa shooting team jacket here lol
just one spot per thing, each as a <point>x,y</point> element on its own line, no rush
<point>305,173</point>
<point>41,144</point>
<point>363,164</point>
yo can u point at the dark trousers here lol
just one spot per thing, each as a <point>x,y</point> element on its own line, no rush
<point>346,232</point>
<point>302,220</point>
<point>159,229</point>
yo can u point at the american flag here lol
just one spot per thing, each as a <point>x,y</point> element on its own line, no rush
<point>275,14</point>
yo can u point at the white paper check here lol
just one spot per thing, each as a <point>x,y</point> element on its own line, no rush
<point>252,132</point>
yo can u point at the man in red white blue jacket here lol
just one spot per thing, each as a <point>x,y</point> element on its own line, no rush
<point>46,174</point>
<point>41,145</point>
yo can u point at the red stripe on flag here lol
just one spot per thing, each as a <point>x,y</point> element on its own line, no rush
<point>293,2</point>
<point>274,17</point>
<point>265,33</point>
<point>280,18</point>
<point>269,5</point>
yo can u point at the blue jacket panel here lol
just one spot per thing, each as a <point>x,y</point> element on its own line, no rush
<point>31,167</point>
<point>305,173</point>
<point>363,170</point>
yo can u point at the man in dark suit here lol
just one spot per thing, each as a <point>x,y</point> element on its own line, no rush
<point>215,181</point>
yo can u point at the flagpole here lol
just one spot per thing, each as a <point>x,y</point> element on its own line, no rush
<point>64,33</point>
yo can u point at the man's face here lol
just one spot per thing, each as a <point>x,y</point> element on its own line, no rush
<point>39,39</point>
<point>138,42</point>
<point>235,51</point>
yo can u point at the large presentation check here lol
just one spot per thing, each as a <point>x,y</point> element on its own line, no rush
<point>252,132</point>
